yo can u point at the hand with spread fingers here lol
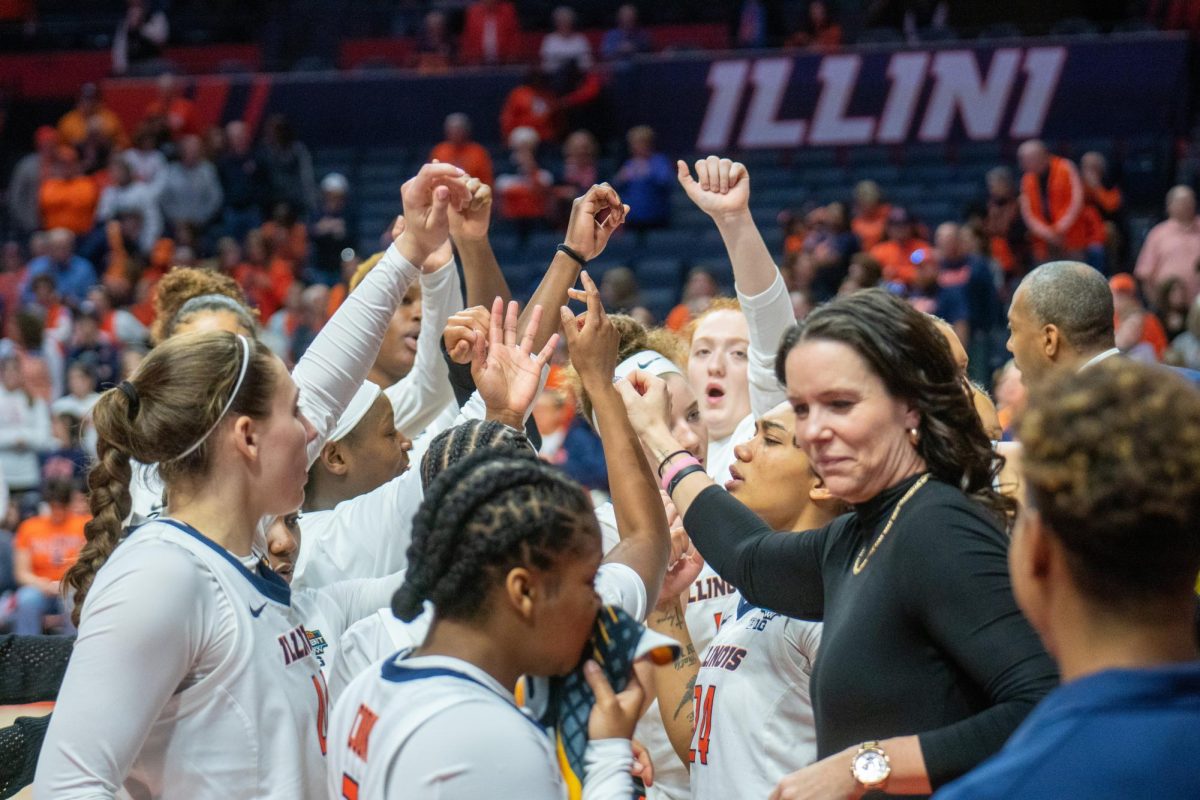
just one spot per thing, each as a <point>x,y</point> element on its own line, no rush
<point>506,372</point>
<point>594,218</point>
<point>592,340</point>
<point>463,329</point>
<point>720,189</point>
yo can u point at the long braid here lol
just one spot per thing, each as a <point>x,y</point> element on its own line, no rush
<point>110,503</point>
<point>488,514</point>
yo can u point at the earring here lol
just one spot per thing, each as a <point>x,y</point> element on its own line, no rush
<point>914,437</point>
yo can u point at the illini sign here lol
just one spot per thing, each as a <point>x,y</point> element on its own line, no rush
<point>951,80</point>
<point>1105,87</point>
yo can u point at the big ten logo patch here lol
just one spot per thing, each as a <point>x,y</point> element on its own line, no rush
<point>316,641</point>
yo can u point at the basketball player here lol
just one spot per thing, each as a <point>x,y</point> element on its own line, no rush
<point>191,673</point>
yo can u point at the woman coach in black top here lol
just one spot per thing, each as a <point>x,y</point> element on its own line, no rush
<point>924,658</point>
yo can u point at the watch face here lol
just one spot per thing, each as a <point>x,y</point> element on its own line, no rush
<point>870,767</point>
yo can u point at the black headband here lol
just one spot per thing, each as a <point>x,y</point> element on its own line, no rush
<point>130,392</point>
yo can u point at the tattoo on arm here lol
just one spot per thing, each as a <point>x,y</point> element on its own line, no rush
<point>686,701</point>
<point>688,658</point>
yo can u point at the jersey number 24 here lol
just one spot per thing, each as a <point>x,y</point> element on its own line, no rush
<point>704,704</point>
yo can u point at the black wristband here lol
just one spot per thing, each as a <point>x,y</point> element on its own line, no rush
<point>679,476</point>
<point>563,248</point>
<point>663,463</point>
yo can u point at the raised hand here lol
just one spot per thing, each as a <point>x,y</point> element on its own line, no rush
<point>594,217</point>
<point>646,401</point>
<point>592,341</point>
<point>435,260</point>
<point>463,329</point>
<point>720,189</point>
<point>427,197</point>
<point>473,219</point>
<point>507,374</point>
<point>685,563</point>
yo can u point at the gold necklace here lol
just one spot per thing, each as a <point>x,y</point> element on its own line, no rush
<point>860,562</point>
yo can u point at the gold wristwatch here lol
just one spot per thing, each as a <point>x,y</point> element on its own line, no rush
<point>871,766</point>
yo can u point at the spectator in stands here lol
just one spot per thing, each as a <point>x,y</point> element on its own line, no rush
<point>579,171</point>
<point>26,181</point>
<point>1104,204</point>
<point>13,272</point>
<point>192,194</point>
<point>140,37</point>
<point>645,181</point>
<point>124,195</point>
<point>524,193</point>
<point>68,198</point>
<point>288,167</point>
<point>242,182</point>
<point>564,44</point>
<point>57,321</point>
<point>1172,248</point>
<point>81,391</point>
<point>619,290</point>
<point>460,150</point>
<point>829,245</point>
<point>149,165</point>
<point>943,299</point>
<point>865,273</point>
<point>896,253</point>
<point>1171,305</point>
<point>1052,204</point>
<point>627,39</point>
<point>960,267</point>
<point>44,549</point>
<point>121,326</point>
<point>434,50</point>
<point>171,113</point>
<point>1003,224</point>
<point>567,440</point>
<point>68,461</point>
<point>1185,348</point>
<point>819,31</point>
<point>698,293</point>
<point>1010,393</point>
<point>264,278</point>
<point>40,357</point>
<point>491,33</point>
<point>870,214</point>
<point>314,300</point>
<point>92,346</point>
<point>531,105</point>
<point>281,326</point>
<point>73,125</point>
<point>756,24</point>
<point>24,427</point>
<point>332,231</point>
<point>73,275</point>
<point>1139,332</point>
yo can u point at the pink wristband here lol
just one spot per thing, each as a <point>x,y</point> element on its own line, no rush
<point>676,468</point>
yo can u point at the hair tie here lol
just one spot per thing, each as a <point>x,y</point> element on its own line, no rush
<point>130,392</point>
<point>237,387</point>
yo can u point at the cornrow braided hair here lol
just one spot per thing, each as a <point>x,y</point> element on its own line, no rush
<point>482,517</point>
<point>454,444</point>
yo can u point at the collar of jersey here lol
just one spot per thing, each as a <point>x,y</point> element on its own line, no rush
<point>265,580</point>
<point>402,669</point>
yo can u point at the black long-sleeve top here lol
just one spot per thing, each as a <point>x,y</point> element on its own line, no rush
<point>926,640</point>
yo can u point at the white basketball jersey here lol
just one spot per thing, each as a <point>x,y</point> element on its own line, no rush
<point>387,706</point>
<point>754,719</point>
<point>255,725</point>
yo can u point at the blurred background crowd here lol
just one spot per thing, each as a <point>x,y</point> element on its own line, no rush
<point>98,206</point>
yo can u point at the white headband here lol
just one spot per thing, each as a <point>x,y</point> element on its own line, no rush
<point>361,403</point>
<point>228,403</point>
<point>656,364</point>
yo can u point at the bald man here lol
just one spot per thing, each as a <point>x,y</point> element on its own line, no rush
<point>1172,248</point>
<point>1051,203</point>
<point>1061,317</point>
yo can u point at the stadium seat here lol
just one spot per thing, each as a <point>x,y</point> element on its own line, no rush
<point>659,272</point>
